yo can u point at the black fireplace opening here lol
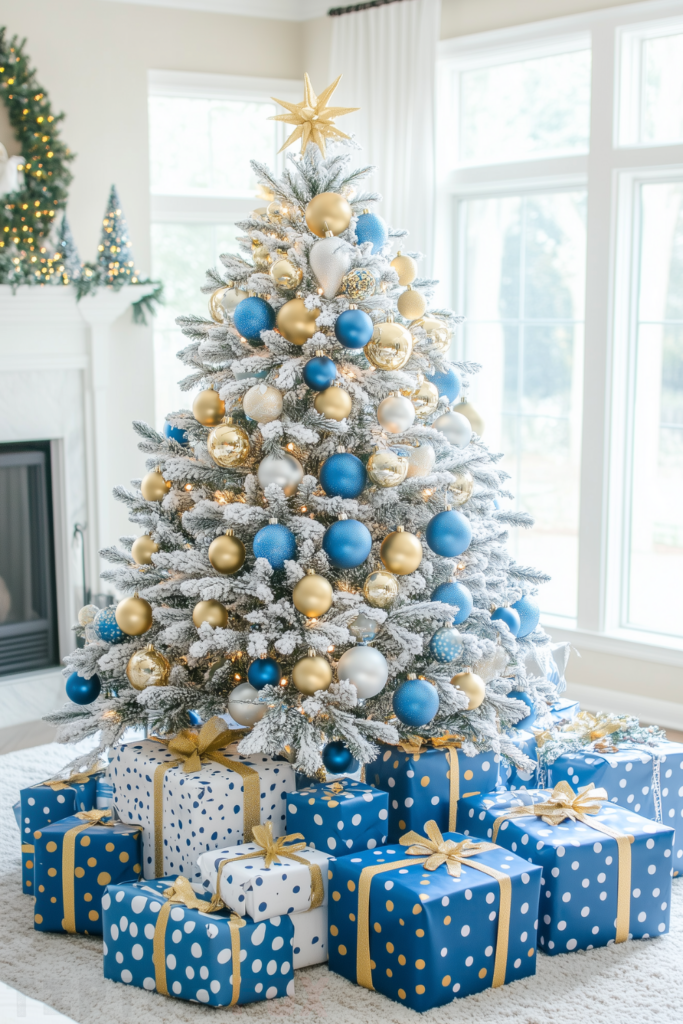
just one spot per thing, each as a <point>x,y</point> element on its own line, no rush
<point>28,597</point>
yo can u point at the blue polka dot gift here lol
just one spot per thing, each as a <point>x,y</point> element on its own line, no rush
<point>76,859</point>
<point>169,937</point>
<point>433,918</point>
<point>193,792</point>
<point>339,817</point>
<point>606,870</point>
<point>564,710</point>
<point>624,772</point>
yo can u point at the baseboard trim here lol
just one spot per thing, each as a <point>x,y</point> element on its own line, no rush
<point>665,713</point>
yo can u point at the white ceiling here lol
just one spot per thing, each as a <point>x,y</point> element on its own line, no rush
<point>285,10</point>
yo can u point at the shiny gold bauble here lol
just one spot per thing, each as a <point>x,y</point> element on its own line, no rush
<point>476,421</point>
<point>212,612</point>
<point>438,331</point>
<point>405,267</point>
<point>411,304</point>
<point>260,211</point>
<point>208,408</point>
<point>312,596</point>
<point>227,553</point>
<point>389,347</point>
<point>228,445</point>
<point>295,322</point>
<point>472,685</point>
<point>275,211</point>
<point>425,398</point>
<point>142,550</point>
<point>358,284</point>
<point>334,403</point>
<point>286,274</point>
<point>154,487</point>
<point>387,469</point>
<point>401,552</point>
<point>260,254</point>
<point>224,300</point>
<point>380,588</point>
<point>147,668</point>
<point>312,674</point>
<point>328,211</point>
<point>461,489</point>
<point>134,615</point>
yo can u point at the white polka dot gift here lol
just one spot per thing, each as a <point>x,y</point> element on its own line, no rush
<point>667,790</point>
<point>340,817</point>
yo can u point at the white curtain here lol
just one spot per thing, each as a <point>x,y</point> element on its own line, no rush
<point>387,56</point>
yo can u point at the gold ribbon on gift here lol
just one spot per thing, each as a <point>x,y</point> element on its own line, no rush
<point>192,750</point>
<point>69,860</point>
<point>589,728</point>
<point>77,779</point>
<point>434,851</point>
<point>450,745</point>
<point>182,892</point>
<point>562,804</point>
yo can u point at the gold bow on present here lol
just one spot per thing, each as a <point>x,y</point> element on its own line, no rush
<point>191,748</point>
<point>181,891</point>
<point>440,851</point>
<point>77,779</point>
<point>97,818</point>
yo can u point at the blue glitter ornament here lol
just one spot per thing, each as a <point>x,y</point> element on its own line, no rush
<point>176,433</point>
<point>338,759</point>
<point>415,702</point>
<point>347,543</point>
<point>371,228</point>
<point>319,372</point>
<point>447,383</point>
<point>276,543</point>
<point>529,614</point>
<point>510,617</point>
<point>81,690</point>
<point>457,595</point>
<point>446,644</point>
<point>195,718</point>
<point>264,672</point>
<point>448,533</point>
<point>353,328</point>
<point>107,627</point>
<point>524,698</point>
<point>343,476</point>
<point>253,315</point>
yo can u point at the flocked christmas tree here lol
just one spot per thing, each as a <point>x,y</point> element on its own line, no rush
<point>67,260</point>
<point>323,551</point>
<point>115,253</point>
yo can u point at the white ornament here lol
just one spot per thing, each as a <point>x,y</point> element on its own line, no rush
<point>421,461</point>
<point>262,403</point>
<point>455,427</point>
<point>330,258</point>
<point>242,706</point>
<point>396,414</point>
<point>365,668</point>
<point>283,470</point>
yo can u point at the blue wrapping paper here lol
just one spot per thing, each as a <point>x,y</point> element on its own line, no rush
<point>514,778</point>
<point>564,710</point>
<point>197,948</point>
<point>339,817</point>
<point>41,806</point>
<point>579,887</point>
<point>625,774</point>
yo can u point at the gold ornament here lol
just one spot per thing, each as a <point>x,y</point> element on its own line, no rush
<point>212,612</point>
<point>312,595</point>
<point>276,211</point>
<point>262,403</point>
<point>358,284</point>
<point>390,346</point>
<point>208,408</point>
<point>476,421</point>
<point>227,553</point>
<point>134,615</point>
<point>312,674</point>
<point>153,486</point>
<point>286,274</point>
<point>461,489</point>
<point>380,589</point>
<point>421,461</point>
<point>438,331</point>
<point>411,304</point>
<point>228,445</point>
<point>313,119</point>
<point>142,550</point>
<point>224,300</point>
<point>334,403</point>
<point>472,685</point>
<point>405,267</point>
<point>295,322</point>
<point>425,397</point>
<point>147,668</point>
<point>260,254</point>
<point>401,552</point>
<point>328,211</point>
<point>386,468</point>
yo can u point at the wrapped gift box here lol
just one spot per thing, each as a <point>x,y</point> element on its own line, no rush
<point>581,869</point>
<point>424,937</point>
<point>624,773</point>
<point>341,817</point>
<point>667,788</point>
<point>196,950</point>
<point>427,784</point>
<point>564,710</point>
<point>511,777</point>
<point>310,938</point>
<point>76,859</point>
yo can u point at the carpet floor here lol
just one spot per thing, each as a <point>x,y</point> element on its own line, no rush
<point>637,981</point>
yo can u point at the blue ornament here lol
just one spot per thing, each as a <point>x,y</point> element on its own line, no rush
<point>343,476</point>
<point>347,543</point>
<point>338,759</point>
<point>264,672</point>
<point>446,644</point>
<point>524,698</point>
<point>448,533</point>
<point>253,315</point>
<point>510,617</point>
<point>371,228</point>
<point>319,372</point>
<point>195,718</point>
<point>415,702</point>
<point>81,690</point>
<point>455,594</point>
<point>176,433</point>
<point>353,328</point>
<point>529,614</point>
<point>276,543</point>
<point>107,627</point>
<point>447,383</point>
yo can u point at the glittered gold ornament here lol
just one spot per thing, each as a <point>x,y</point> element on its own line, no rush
<point>476,421</point>
<point>295,322</point>
<point>358,284</point>
<point>461,489</point>
<point>425,398</point>
<point>134,615</point>
<point>389,347</point>
<point>223,301</point>
<point>208,408</point>
<point>286,274</point>
<point>328,211</point>
<point>472,685</point>
<point>438,331</point>
<point>227,553</point>
<point>142,550</point>
<point>312,595</point>
<point>333,403</point>
<point>262,403</point>
<point>228,445</point>
<point>380,588</point>
<point>312,673</point>
<point>312,118</point>
<point>386,468</point>
<point>405,267</point>
<point>421,460</point>
<point>212,612</point>
<point>153,486</point>
<point>401,552</point>
<point>147,668</point>
<point>411,304</point>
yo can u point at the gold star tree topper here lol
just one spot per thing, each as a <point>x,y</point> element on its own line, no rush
<point>314,120</point>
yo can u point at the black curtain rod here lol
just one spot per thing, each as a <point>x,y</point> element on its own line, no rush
<point>334,12</point>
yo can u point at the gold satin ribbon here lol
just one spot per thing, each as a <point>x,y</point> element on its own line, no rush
<point>193,749</point>
<point>449,744</point>
<point>564,803</point>
<point>77,779</point>
<point>90,818</point>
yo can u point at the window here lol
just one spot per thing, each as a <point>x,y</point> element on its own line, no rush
<point>651,86</point>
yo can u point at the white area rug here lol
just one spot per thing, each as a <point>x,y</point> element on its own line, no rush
<point>636,981</point>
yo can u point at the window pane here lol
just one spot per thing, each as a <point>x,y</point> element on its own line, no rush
<point>662,85</point>
<point>545,112</point>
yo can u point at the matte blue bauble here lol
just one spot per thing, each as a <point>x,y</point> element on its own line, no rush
<point>319,372</point>
<point>529,614</point>
<point>343,476</point>
<point>195,718</point>
<point>253,315</point>
<point>353,328</point>
<point>457,595</point>
<point>107,627</point>
<point>338,759</point>
<point>447,384</point>
<point>276,543</point>
<point>82,691</point>
<point>371,228</point>
<point>347,543</point>
<point>446,644</point>
<point>176,433</point>
<point>510,617</point>
<point>264,672</point>
<point>415,702</point>
<point>524,698</point>
<point>448,533</point>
